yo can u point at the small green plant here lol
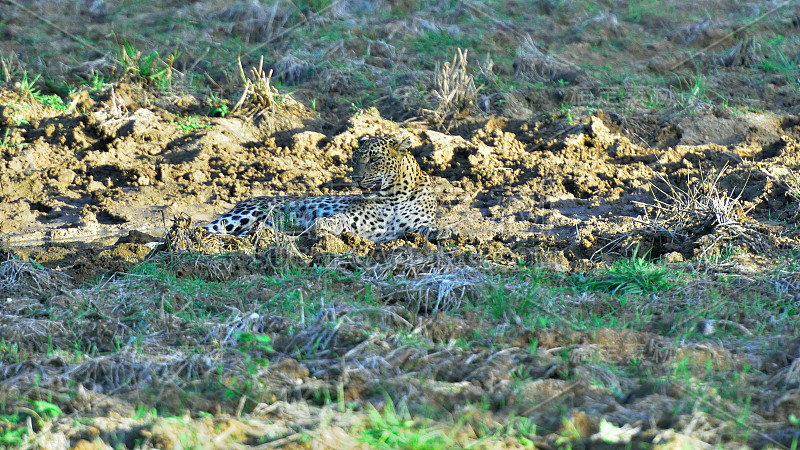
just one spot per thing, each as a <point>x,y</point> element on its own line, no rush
<point>698,88</point>
<point>13,428</point>
<point>778,62</point>
<point>28,92</point>
<point>256,343</point>
<point>218,107</point>
<point>144,413</point>
<point>12,433</point>
<point>10,352</point>
<point>4,141</point>
<point>566,111</point>
<point>149,69</point>
<point>316,6</point>
<point>192,123</point>
<point>27,88</point>
<point>396,429</point>
<point>51,101</point>
<point>96,83</point>
<point>522,428</point>
<point>569,433</point>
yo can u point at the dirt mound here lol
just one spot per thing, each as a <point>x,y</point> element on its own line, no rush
<point>501,181</point>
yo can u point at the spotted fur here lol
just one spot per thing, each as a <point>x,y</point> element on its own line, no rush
<point>396,198</point>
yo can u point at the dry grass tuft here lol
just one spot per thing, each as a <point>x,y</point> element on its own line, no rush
<point>792,375</point>
<point>792,185</point>
<point>424,281</point>
<point>261,94</point>
<point>254,21</point>
<point>455,94</point>
<point>19,276</point>
<point>532,64</point>
<point>28,333</point>
<point>292,70</point>
<point>10,67</point>
<point>745,53</point>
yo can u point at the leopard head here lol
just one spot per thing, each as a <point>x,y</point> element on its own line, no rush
<point>381,166</point>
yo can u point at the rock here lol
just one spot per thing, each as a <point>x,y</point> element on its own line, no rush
<point>306,139</point>
<point>66,176</point>
<point>198,176</point>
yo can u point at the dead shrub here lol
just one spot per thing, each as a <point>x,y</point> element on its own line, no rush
<point>703,218</point>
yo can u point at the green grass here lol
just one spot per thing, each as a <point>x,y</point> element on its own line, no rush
<point>440,46</point>
<point>149,69</point>
<point>96,83</point>
<point>631,276</point>
<point>13,427</point>
<point>242,315</point>
<point>783,57</point>
<point>28,91</point>
<point>394,428</point>
<point>218,107</point>
<point>51,101</point>
<point>418,48</point>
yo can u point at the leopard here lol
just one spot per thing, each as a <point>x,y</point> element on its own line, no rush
<point>396,197</point>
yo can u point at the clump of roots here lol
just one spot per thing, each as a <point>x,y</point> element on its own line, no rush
<point>261,100</point>
<point>183,237</point>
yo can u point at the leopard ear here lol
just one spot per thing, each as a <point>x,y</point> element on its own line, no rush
<point>363,139</point>
<point>403,145</point>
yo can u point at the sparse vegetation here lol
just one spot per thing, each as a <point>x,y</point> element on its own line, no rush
<point>621,179</point>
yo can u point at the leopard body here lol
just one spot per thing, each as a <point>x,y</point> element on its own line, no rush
<point>396,198</point>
